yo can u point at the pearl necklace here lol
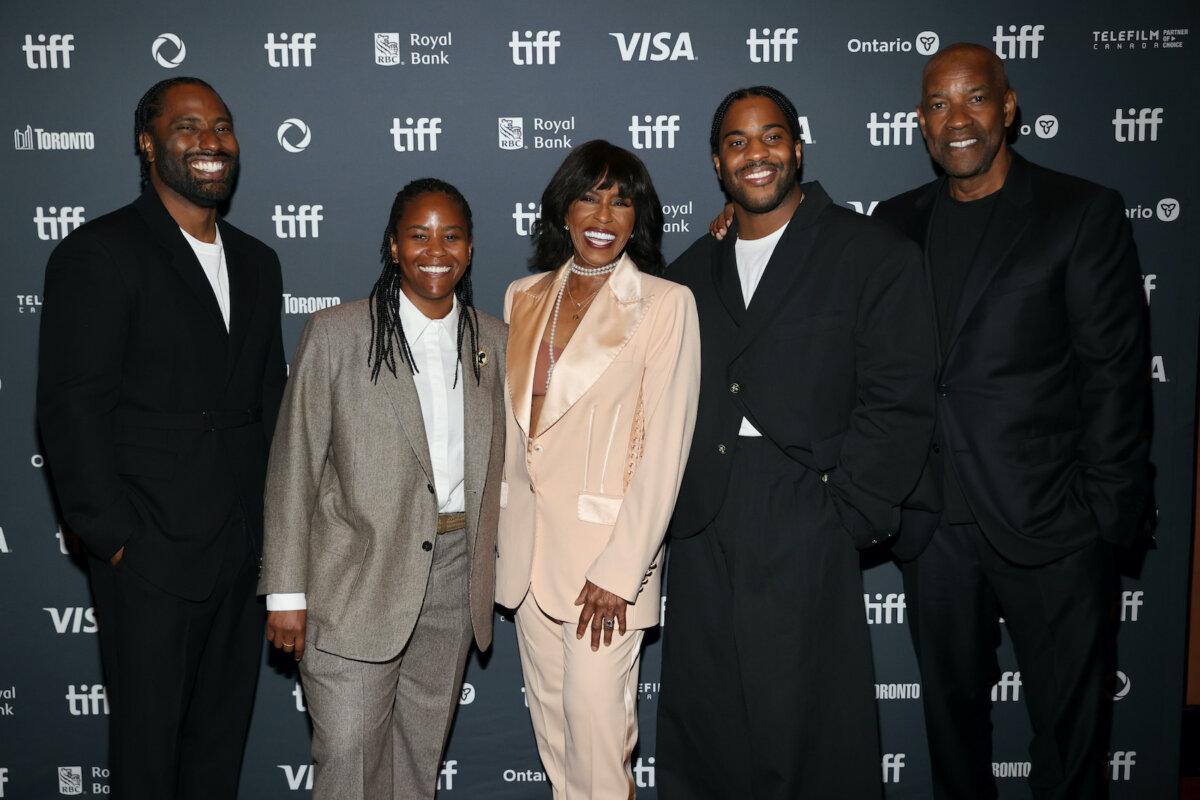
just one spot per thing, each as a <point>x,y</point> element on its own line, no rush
<point>587,272</point>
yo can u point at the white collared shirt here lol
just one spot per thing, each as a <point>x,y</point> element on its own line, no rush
<point>752,257</point>
<point>434,345</point>
<point>212,259</point>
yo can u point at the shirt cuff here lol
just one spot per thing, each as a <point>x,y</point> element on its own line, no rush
<point>286,601</point>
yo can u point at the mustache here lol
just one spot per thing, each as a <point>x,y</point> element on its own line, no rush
<point>219,153</point>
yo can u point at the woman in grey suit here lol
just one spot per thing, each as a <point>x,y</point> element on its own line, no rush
<point>381,505</point>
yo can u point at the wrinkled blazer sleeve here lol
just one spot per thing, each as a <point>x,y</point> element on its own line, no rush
<point>298,453</point>
<point>670,393</point>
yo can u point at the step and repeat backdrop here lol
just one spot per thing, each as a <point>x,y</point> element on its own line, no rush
<point>338,105</point>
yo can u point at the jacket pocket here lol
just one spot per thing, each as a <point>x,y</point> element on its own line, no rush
<point>504,494</point>
<point>598,508</point>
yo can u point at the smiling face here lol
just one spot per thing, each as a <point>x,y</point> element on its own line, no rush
<point>757,159</point>
<point>965,111</point>
<point>600,223</point>
<point>190,146</point>
<point>432,247</point>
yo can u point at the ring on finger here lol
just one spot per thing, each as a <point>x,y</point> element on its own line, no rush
<point>289,644</point>
<point>608,622</point>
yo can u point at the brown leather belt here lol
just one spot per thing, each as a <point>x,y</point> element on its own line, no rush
<point>449,523</point>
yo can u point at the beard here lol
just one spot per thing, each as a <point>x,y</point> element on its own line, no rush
<point>786,177</point>
<point>200,191</point>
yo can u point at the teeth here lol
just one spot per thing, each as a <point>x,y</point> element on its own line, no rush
<point>433,269</point>
<point>754,176</point>
<point>600,236</point>
<point>209,166</point>
<point>964,143</point>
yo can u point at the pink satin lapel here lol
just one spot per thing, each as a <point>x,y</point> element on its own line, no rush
<point>528,318</point>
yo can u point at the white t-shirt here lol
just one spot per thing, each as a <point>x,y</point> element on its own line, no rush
<point>212,259</point>
<point>752,257</point>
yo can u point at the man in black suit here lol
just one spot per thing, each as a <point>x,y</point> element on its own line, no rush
<point>160,375</point>
<point>1038,457</point>
<point>816,409</point>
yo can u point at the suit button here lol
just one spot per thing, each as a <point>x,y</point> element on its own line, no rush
<point>721,449</point>
<point>943,389</point>
<point>734,388</point>
<point>429,486</point>
<point>824,477</point>
<point>531,488</point>
<point>936,448</point>
<point>426,546</point>
<point>537,448</point>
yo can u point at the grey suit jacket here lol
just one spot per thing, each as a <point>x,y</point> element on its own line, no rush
<point>350,501</point>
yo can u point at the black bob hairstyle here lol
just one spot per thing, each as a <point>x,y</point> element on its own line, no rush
<point>598,165</point>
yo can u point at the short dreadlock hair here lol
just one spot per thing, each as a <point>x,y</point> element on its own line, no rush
<point>771,93</point>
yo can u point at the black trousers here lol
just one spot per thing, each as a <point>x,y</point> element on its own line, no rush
<point>1059,619</point>
<point>181,676</point>
<point>767,681</point>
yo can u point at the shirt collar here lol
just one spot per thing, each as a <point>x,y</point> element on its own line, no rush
<point>416,324</point>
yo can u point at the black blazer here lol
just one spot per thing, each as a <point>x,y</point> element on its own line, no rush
<point>1042,389</point>
<point>833,362</point>
<point>133,350</point>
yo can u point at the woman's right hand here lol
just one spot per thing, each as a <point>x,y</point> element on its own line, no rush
<point>720,224</point>
<point>285,630</point>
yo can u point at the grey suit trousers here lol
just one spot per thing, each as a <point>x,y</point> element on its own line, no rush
<point>379,727</point>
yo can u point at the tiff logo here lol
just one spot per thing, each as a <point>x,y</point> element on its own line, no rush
<point>1149,284</point>
<point>894,129</point>
<point>46,54</point>
<point>884,609</point>
<point>656,133</point>
<point>643,772</point>
<point>298,693</point>
<point>1018,44</point>
<point>55,223</point>
<point>301,222</point>
<point>72,620</point>
<point>86,701</point>
<point>1140,123</point>
<point>290,51</point>
<point>534,48</point>
<point>446,775</point>
<point>3,779</point>
<point>892,764</point>
<point>773,45</point>
<point>416,135</point>
<point>524,219</point>
<point>1131,599</point>
<point>654,46</point>
<point>1122,762</point>
<point>1007,688</point>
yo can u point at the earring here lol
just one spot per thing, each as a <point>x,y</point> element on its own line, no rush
<point>566,227</point>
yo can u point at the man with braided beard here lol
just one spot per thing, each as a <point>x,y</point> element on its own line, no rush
<point>383,495</point>
<point>816,409</point>
<point>160,373</point>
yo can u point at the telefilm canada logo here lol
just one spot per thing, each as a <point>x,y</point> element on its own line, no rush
<point>1139,39</point>
<point>32,138</point>
<point>925,43</point>
<point>168,50</point>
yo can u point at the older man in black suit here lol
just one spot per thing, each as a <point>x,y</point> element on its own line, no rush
<point>160,375</point>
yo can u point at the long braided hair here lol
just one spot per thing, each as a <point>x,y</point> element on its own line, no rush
<point>771,93</point>
<point>148,109</point>
<point>387,331</point>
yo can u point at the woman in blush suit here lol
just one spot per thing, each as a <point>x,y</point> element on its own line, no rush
<point>603,378</point>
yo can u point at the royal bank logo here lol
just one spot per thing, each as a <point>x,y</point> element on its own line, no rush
<point>663,46</point>
<point>87,701</point>
<point>892,764</point>
<point>925,43</point>
<point>772,45</point>
<point>55,222</point>
<point>1136,39</point>
<point>884,609</point>
<point>1121,762</point>
<point>677,216</point>
<point>72,620</point>
<point>430,49</point>
<point>1132,599</point>
<point>417,134</point>
<point>511,132</point>
<point>1018,42</point>
<point>466,695</point>
<point>387,49</point>
<point>168,50</point>
<point>524,216</point>
<point>1008,688</point>
<point>298,222</point>
<point>49,52</point>
<point>291,50</point>
<point>70,781</point>
<point>39,139</point>
<point>1137,125</point>
<point>654,132</point>
<point>890,129</point>
<point>293,135</point>
<point>534,48</point>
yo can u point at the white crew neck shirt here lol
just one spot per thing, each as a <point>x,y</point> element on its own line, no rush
<point>212,260</point>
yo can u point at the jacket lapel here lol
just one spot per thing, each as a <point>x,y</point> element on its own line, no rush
<point>602,333</point>
<point>920,232</point>
<point>528,317</point>
<point>477,433</point>
<point>1009,220</point>
<point>725,276</point>
<point>402,393</point>
<point>243,288</point>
